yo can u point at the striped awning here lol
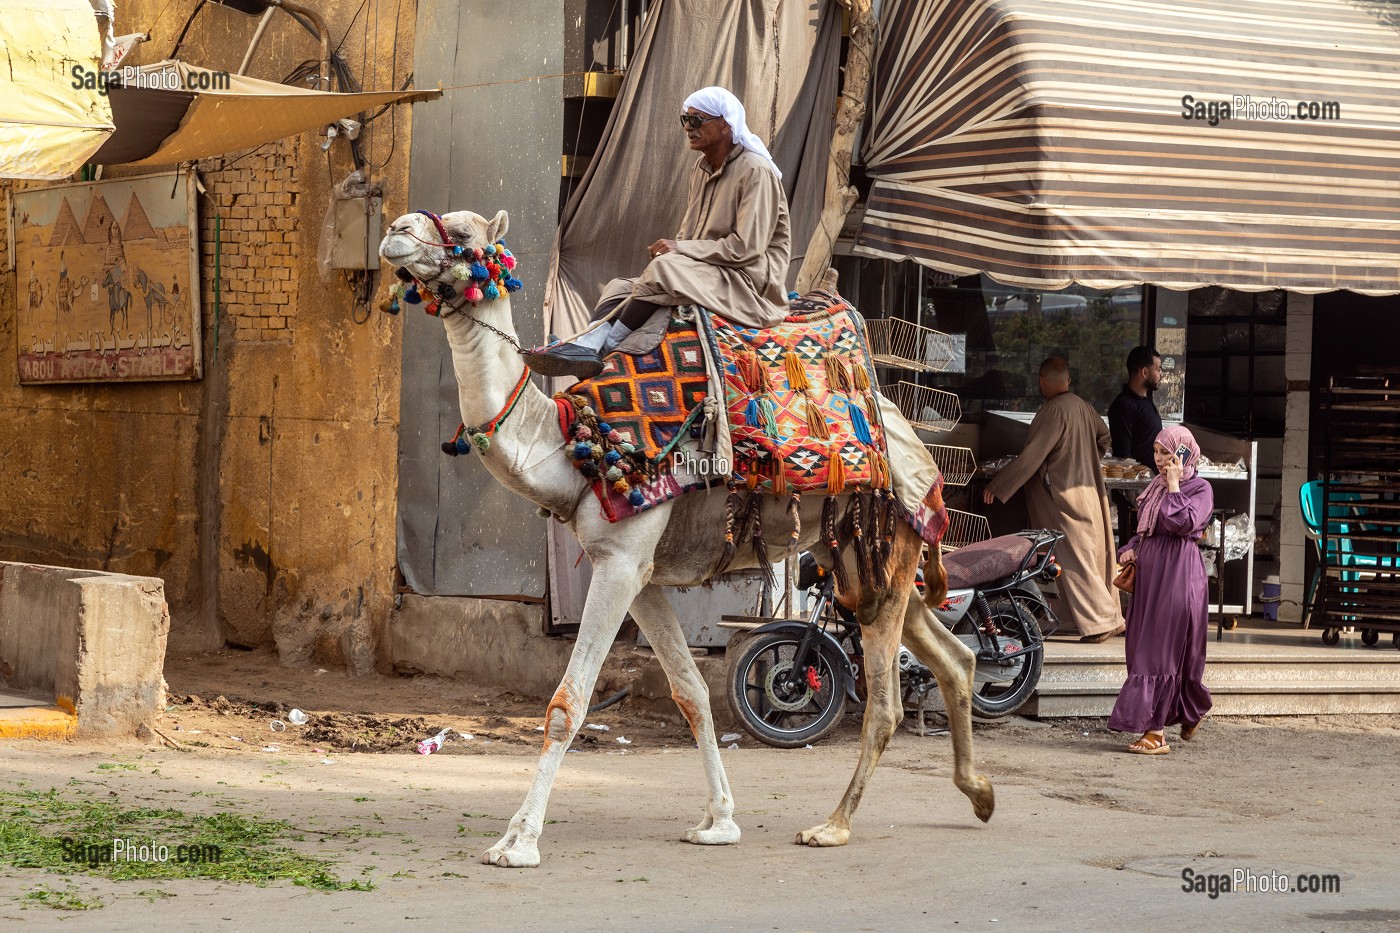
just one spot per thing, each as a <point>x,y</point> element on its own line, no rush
<point>1045,142</point>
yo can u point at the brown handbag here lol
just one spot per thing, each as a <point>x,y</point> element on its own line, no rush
<point>1126,577</point>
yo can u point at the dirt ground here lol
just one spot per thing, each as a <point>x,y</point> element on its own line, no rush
<point>1084,837</point>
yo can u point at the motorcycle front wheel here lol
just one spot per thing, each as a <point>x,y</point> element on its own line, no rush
<point>1003,688</point>
<point>779,709</point>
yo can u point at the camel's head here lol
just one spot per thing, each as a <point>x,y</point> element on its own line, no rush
<point>422,243</point>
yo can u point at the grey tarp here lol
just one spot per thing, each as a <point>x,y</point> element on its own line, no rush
<point>779,58</point>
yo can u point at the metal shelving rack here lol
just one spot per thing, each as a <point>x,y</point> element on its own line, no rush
<point>1360,584</point>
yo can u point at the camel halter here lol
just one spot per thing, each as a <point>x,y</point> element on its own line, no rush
<point>485,275</point>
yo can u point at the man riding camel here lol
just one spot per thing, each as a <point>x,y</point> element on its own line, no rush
<point>730,257</point>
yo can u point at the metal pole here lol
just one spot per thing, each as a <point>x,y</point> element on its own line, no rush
<point>257,37</point>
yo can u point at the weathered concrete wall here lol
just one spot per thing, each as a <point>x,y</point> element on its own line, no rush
<point>263,495</point>
<point>94,641</point>
<point>486,642</point>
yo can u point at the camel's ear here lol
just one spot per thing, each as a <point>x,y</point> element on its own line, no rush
<point>496,229</point>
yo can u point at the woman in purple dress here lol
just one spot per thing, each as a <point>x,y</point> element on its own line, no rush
<point>1167,624</point>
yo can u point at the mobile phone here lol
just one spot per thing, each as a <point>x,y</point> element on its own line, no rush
<point>1183,453</point>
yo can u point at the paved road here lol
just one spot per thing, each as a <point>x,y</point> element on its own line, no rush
<point>1083,838</point>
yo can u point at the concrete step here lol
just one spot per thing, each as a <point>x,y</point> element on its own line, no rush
<point>27,717</point>
<point>1243,680</point>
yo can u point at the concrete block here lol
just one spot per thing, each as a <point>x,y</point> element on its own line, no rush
<point>485,642</point>
<point>93,642</point>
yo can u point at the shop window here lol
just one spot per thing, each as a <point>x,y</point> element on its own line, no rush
<point>1235,341</point>
<point>1002,333</point>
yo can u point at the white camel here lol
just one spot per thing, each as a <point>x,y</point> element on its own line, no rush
<point>677,543</point>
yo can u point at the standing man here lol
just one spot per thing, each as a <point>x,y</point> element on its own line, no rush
<point>731,255</point>
<point>1134,423</point>
<point>1133,419</point>
<point>1066,492</point>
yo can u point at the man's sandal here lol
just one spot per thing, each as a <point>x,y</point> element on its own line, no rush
<point>1189,730</point>
<point>1150,744</point>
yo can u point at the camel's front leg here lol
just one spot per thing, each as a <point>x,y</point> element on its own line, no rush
<point>953,664</point>
<point>881,619</point>
<point>615,583</point>
<point>657,620</point>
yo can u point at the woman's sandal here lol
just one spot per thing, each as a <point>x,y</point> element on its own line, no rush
<point>1150,744</point>
<point>1189,730</point>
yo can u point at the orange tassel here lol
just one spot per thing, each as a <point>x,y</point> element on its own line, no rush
<point>835,475</point>
<point>753,477</point>
<point>779,477</point>
<point>816,421</point>
<point>744,364</point>
<point>859,377</point>
<point>761,380</point>
<point>796,372</point>
<point>838,378</point>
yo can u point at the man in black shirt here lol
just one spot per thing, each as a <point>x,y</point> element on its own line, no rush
<point>1134,423</point>
<point>1133,420</point>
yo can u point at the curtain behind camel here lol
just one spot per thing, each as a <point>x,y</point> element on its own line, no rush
<point>778,56</point>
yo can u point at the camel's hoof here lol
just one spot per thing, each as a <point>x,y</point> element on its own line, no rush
<point>515,856</point>
<point>984,799</point>
<point>722,833</point>
<point>824,835</point>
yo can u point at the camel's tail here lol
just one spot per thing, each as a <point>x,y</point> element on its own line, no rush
<point>935,578</point>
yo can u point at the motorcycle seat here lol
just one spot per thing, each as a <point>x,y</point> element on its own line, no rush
<point>985,562</point>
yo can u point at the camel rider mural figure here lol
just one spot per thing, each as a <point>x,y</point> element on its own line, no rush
<point>731,254</point>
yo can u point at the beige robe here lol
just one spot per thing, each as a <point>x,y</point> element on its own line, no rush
<point>732,252</point>
<point>1059,470</point>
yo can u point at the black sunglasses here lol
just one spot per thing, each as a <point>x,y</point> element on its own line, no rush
<point>693,121</point>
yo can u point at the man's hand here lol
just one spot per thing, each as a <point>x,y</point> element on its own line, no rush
<point>661,246</point>
<point>987,497</point>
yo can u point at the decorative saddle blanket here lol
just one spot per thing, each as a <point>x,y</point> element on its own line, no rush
<point>802,414</point>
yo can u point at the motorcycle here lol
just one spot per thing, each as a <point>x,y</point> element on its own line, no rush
<point>790,681</point>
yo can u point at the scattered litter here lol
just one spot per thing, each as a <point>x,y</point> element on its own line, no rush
<point>539,728</point>
<point>235,738</point>
<point>277,725</point>
<point>327,761</point>
<point>317,751</point>
<point>730,737</point>
<point>732,745</point>
<point>596,727</point>
<point>623,740</point>
<point>806,746</point>
<point>1086,733</point>
<point>296,717</point>
<point>320,670</point>
<point>272,748</point>
<point>430,745</point>
<point>466,736</point>
<point>178,729</point>
<point>195,731</point>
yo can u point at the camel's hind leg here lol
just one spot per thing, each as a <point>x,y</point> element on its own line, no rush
<point>653,613</point>
<point>881,618</point>
<point>953,663</point>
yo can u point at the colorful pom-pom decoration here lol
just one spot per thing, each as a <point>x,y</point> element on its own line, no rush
<point>604,428</point>
<point>596,451</point>
<point>583,433</point>
<point>445,290</point>
<point>636,499</point>
<point>582,452</point>
<point>473,294</point>
<point>613,456</point>
<point>412,297</point>
<point>490,250</point>
<point>397,289</point>
<point>514,285</point>
<point>431,308</point>
<point>613,474</point>
<point>482,442</point>
<point>463,446</point>
<point>622,486</point>
<point>456,251</point>
<point>615,436</point>
<point>509,260</point>
<point>589,469</point>
<point>492,292</point>
<point>460,272</point>
<point>479,272</point>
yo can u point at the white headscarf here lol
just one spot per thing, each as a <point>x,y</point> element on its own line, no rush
<point>718,102</point>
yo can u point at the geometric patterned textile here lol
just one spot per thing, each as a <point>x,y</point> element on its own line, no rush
<point>800,400</point>
<point>647,399</point>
